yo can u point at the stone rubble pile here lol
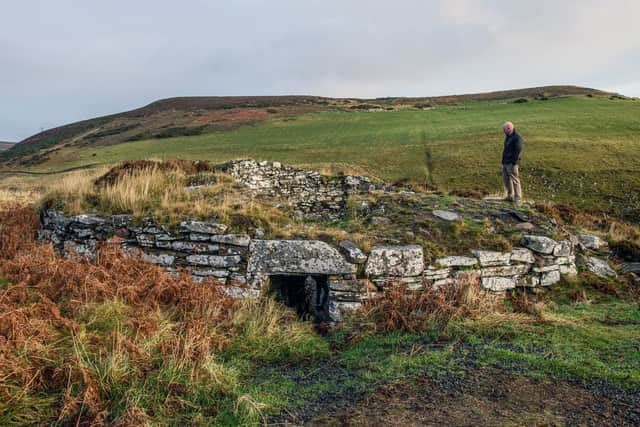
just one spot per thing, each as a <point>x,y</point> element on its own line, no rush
<point>311,194</point>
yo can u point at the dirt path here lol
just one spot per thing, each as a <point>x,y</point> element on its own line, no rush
<point>486,397</point>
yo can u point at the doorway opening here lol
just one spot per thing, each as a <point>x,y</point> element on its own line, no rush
<point>300,292</point>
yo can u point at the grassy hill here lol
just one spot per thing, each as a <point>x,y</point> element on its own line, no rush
<point>188,116</point>
<point>579,150</point>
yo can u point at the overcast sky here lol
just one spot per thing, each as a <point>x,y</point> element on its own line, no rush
<point>67,60</point>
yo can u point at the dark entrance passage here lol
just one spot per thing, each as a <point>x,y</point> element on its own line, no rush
<point>307,294</point>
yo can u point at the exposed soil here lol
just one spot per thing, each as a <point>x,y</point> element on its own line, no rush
<point>485,397</point>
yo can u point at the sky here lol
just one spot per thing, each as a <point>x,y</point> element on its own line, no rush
<point>67,60</point>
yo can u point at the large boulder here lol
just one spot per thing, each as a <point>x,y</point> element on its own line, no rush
<point>395,261</point>
<point>296,257</point>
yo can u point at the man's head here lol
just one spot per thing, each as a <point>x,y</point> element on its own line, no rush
<point>508,128</point>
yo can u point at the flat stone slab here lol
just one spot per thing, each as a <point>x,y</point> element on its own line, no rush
<point>540,244</point>
<point>457,261</point>
<point>592,242</point>
<point>505,271</point>
<point>296,257</point>
<point>498,284</point>
<point>522,255</point>
<point>549,278</point>
<point>598,266</point>
<point>446,215</point>
<point>216,261</point>
<point>491,258</point>
<point>353,253</point>
<point>395,261</point>
<point>203,227</point>
<point>242,240</point>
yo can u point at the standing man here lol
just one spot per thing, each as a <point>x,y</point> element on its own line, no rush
<point>510,158</point>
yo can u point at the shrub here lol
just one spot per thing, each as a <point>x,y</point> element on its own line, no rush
<point>89,343</point>
<point>398,308</point>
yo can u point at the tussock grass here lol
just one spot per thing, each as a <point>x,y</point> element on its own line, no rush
<point>272,332</point>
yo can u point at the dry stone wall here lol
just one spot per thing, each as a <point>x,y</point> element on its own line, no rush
<point>250,265</point>
<point>245,264</point>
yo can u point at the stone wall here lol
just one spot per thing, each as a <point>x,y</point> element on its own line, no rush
<point>245,264</point>
<point>311,194</point>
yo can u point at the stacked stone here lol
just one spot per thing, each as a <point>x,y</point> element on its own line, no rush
<point>201,247</point>
<point>307,257</point>
<point>403,264</point>
<point>312,195</point>
<point>539,262</point>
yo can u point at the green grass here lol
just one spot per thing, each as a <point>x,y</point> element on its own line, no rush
<point>596,341</point>
<point>579,150</point>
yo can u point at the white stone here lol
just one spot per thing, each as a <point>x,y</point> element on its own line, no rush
<point>457,261</point>
<point>217,261</point>
<point>568,269</point>
<point>547,268</point>
<point>498,284</point>
<point>540,244</point>
<point>242,240</point>
<point>490,258</point>
<point>203,227</point>
<point>507,270</point>
<point>353,253</point>
<point>160,259</point>
<point>296,257</point>
<point>522,255</point>
<point>395,261</point>
<point>446,215</point>
<point>598,266</point>
<point>564,248</point>
<point>549,278</point>
<point>592,242</point>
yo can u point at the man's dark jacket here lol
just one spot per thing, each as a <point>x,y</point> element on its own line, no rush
<point>512,149</point>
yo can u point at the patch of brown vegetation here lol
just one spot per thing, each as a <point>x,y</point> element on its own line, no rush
<point>188,167</point>
<point>45,353</point>
<point>398,308</point>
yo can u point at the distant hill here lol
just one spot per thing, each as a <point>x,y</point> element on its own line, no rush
<point>6,145</point>
<point>187,116</point>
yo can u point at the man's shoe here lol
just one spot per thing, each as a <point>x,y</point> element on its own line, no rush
<point>517,202</point>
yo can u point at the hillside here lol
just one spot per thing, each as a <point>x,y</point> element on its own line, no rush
<point>5,145</point>
<point>188,116</point>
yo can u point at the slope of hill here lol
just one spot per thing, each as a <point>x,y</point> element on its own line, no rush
<point>188,116</point>
<point>5,145</point>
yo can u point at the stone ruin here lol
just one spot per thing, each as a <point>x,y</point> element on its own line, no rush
<point>311,194</point>
<point>249,265</point>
